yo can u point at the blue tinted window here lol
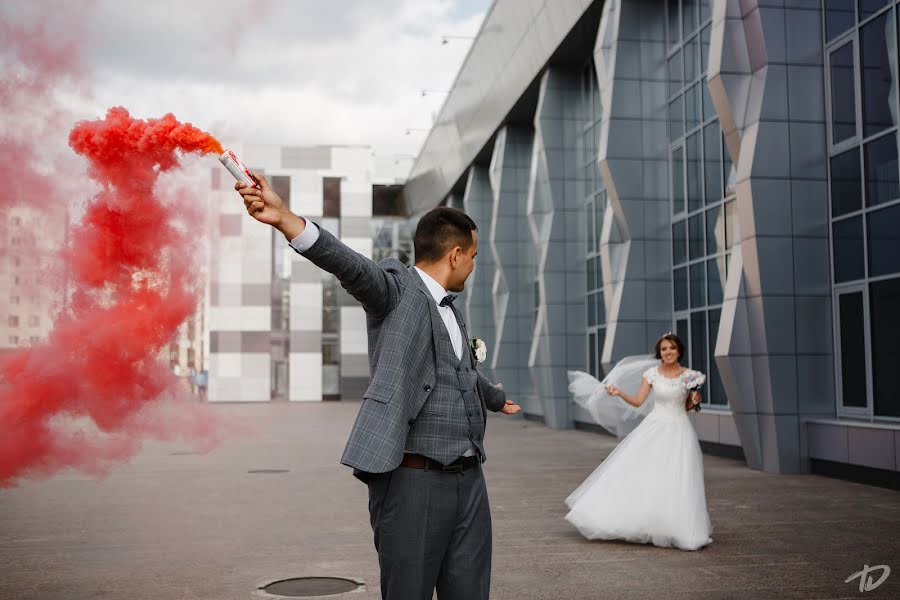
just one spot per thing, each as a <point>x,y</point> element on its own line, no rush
<point>692,108</point>
<point>714,278</point>
<point>847,241</point>
<point>690,13</point>
<point>712,161</point>
<point>675,74</point>
<point>843,96</point>
<point>867,8</point>
<point>840,15</point>
<point>674,23</point>
<point>678,180</point>
<point>591,243</point>
<point>846,183</point>
<point>883,232</point>
<point>709,109</point>
<point>877,51</point>
<point>884,298</point>
<point>676,118</point>
<point>853,349</point>
<point>715,229</point>
<point>716,389</point>
<point>696,247</point>
<point>698,284</point>
<point>680,288</point>
<point>698,344</point>
<point>679,242</point>
<point>692,59</point>
<point>882,183</point>
<point>592,355</point>
<point>694,172</point>
<point>704,49</point>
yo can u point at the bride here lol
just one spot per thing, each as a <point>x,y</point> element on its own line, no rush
<point>650,488</point>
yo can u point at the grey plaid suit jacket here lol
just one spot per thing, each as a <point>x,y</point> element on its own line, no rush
<point>402,352</point>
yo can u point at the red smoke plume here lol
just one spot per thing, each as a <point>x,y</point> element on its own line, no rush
<point>86,397</point>
<point>39,56</point>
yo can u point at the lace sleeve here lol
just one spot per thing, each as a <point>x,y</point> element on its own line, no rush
<point>650,375</point>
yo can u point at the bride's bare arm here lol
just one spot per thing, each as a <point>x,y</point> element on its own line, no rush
<point>635,400</point>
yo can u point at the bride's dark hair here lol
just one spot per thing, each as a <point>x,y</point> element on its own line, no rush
<point>672,338</point>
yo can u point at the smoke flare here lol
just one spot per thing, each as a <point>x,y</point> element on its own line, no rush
<point>87,396</point>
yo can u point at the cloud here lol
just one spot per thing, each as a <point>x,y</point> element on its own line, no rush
<point>280,71</point>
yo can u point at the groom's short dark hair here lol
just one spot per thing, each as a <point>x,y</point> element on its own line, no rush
<point>440,230</point>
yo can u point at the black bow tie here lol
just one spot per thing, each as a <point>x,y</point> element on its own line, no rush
<point>448,300</point>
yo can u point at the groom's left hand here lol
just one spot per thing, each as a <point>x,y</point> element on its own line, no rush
<point>510,408</point>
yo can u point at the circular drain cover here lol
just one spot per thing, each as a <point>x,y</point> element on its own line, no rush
<point>310,586</point>
<point>269,471</point>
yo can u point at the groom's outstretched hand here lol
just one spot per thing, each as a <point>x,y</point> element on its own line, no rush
<point>264,205</point>
<point>510,408</point>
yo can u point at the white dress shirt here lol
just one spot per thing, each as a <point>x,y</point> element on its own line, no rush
<point>305,240</point>
<point>438,293</point>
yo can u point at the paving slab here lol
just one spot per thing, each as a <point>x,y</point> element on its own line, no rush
<point>174,525</point>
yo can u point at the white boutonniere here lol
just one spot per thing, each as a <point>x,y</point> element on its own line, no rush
<point>479,349</point>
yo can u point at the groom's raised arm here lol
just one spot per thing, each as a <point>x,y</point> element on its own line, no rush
<point>377,289</point>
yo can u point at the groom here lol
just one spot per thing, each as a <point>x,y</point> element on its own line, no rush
<point>418,440</point>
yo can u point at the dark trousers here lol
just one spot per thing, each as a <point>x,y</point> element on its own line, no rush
<point>432,531</point>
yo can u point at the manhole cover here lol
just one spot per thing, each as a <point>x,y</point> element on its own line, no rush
<point>269,471</point>
<point>299,587</point>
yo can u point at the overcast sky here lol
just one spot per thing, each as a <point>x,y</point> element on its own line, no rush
<point>292,72</point>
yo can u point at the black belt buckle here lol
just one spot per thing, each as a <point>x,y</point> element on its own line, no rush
<point>454,467</point>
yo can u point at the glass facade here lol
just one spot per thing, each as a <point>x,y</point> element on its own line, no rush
<point>595,207</point>
<point>812,89</point>
<point>393,238</point>
<point>702,193</point>
<point>864,183</point>
<point>331,299</point>
<point>279,368</point>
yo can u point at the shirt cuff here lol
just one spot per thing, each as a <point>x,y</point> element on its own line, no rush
<point>305,240</point>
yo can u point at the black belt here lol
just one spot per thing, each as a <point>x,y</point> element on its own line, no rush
<point>417,461</point>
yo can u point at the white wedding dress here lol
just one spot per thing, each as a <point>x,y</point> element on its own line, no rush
<point>650,488</point>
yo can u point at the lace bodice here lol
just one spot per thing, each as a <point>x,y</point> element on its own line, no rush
<point>669,393</point>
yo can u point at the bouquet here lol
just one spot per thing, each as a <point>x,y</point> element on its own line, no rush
<point>693,380</point>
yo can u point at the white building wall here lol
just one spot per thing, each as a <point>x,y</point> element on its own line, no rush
<point>241,367</point>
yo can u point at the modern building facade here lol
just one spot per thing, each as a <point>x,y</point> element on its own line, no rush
<point>724,169</point>
<point>187,353</point>
<point>279,328</point>
<point>29,253</point>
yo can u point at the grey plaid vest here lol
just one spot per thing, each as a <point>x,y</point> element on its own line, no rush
<point>452,419</point>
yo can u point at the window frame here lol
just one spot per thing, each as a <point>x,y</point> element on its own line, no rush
<point>853,412</point>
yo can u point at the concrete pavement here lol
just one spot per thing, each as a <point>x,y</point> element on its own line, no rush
<point>176,525</point>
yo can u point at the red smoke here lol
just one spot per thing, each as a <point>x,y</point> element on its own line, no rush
<point>132,282</point>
